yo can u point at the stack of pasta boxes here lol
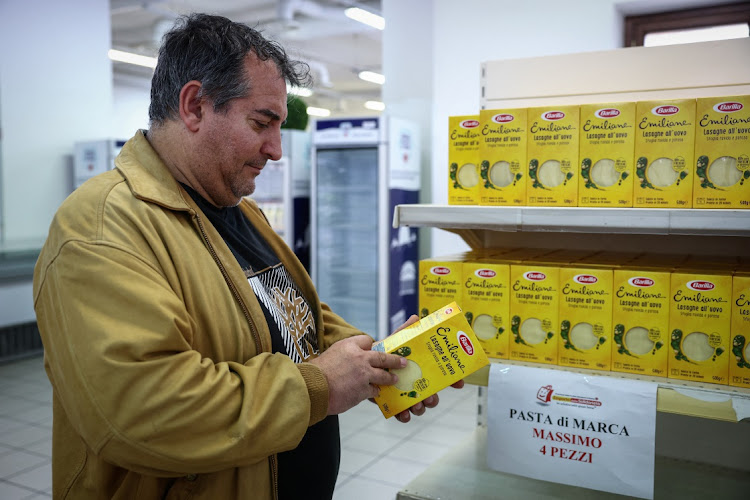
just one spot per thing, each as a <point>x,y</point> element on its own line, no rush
<point>682,317</point>
<point>681,153</point>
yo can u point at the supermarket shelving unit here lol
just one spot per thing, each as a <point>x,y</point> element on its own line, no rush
<point>703,436</point>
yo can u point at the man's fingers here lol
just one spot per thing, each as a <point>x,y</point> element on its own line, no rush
<point>382,377</point>
<point>387,361</point>
<point>432,401</point>
<point>458,385</point>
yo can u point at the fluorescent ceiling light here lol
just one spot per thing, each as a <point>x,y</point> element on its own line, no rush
<point>302,92</point>
<point>365,17</point>
<point>709,34</point>
<point>312,111</point>
<point>375,105</point>
<point>370,76</point>
<point>130,58</point>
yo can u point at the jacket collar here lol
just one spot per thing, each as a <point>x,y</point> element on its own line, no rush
<point>147,176</point>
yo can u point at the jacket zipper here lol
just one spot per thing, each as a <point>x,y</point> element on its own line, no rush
<point>235,292</point>
<point>256,337</point>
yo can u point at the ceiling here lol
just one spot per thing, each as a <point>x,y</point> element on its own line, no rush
<point>317,32</point>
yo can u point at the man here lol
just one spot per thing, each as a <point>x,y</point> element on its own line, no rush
<point>188,352</point>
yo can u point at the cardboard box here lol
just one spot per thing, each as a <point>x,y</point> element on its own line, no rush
<point>552,152</point>
<point>640,316</point>
<point>463,160</point>
<point>739,357</point>
<point>722,153</point>
<point>699,322</point>
<point>502,154</point>
<point>441,349</point>
<point>485,301</point>
<point>585,314</point>
<point>664,149</point>
<point>606,152</point>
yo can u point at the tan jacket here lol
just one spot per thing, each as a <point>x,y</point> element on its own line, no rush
<point>164,385</point>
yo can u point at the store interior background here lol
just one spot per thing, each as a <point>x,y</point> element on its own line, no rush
<point>57,86</point>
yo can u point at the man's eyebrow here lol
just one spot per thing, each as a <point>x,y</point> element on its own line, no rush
<point>269,113</point>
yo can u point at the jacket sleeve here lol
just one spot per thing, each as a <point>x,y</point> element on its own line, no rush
<point>118,338</point>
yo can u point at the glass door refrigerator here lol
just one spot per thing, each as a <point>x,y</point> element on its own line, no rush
<point>363,268</point>
<point>282,191</point>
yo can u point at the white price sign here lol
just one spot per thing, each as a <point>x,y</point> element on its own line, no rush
<point>589,431</point>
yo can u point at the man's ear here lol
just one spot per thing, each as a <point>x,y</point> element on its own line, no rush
<point>191,105</point>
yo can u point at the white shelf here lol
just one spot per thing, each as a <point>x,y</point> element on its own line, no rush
<point>462,473</point>
<point>577,220</point>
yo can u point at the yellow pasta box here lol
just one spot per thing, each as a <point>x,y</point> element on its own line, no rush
<point>585,314</point>
<point>463,158</point>
<point>606,151</point>
<point>699,322</point>
<point>485,302</point>
<point>534,296</point>
<point>440,281</point>
<point>739,359</point>
<point>502,154</point>
<point>552,153</point>
<point>440,349</point>
<point>722,153</point>
<point>640,315</point>
<point>664,149</point>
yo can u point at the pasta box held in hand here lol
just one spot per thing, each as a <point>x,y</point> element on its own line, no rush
<point>440,349</point>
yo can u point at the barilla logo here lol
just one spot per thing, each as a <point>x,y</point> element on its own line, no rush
<point>665,110</point>
<point>728,107</point>
<point>503,118</point>
<point>552,116</point>
<point>465,343</point>
<point>469,123</point>
<point>535,276</point>
<point>440,271</point>
<point>607,113</point>
<point>448,310</point>
<point>485,273</point>
<point>642,282</point>
<point>585,279</point>
<point>700,285</point>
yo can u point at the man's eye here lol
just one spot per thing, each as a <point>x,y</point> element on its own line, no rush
<point>261,125</point>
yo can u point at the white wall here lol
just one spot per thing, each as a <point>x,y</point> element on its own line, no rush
<point>56,88</point>
<point>131,100</point>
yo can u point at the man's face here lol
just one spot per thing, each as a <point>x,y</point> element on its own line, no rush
<point>235,143</point>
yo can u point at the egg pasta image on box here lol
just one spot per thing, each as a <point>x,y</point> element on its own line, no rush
<point>739,359</point>
<point>552,153</point>
<point>463,160</point>
<point>722,153</point>
<point>664,150</point>
<point>502,155</point>
<point>699,322</point>
<point>440,349</point>
<point>606,153</point>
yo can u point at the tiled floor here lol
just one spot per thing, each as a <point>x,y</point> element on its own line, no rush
<point>378,457</point>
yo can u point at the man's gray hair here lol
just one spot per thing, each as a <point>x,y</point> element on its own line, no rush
<point>212,50</point>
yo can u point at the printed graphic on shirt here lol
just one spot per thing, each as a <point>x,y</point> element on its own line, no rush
<point>291,312</point>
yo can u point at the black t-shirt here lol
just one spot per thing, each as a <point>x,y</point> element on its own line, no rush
<point>310,470</point>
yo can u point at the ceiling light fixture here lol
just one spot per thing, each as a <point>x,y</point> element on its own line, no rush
<point>365,17</point>
<point>130,58</point>
<point>371,76</point>
<point>322,112</point>
<point>375,105</point>
<point>301,92</point>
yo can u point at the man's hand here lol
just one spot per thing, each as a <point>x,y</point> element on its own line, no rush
<point>353,371</point>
